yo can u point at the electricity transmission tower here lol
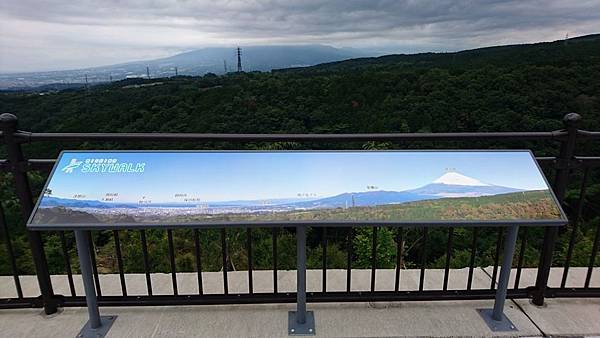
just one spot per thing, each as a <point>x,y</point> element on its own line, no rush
<point>239,59</point>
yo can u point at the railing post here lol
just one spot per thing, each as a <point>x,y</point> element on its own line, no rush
<point>18,167</point>
<point>567,151</point>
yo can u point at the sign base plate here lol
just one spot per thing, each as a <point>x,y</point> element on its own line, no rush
<point>306,329</point>
<point>106,323</point>
<point>496,325</point>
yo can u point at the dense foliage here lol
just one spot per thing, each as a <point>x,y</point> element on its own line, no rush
<point>513,88</point>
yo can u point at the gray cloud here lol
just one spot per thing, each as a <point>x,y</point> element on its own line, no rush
<point>59,34</point>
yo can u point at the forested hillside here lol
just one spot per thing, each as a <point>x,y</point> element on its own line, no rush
<point>510,88</point>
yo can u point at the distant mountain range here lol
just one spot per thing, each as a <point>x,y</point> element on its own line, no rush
<point>449,185</point>
<point>196,62</point>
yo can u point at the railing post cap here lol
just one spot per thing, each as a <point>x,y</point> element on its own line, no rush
<point>8,118</point>
<point>571,119</point>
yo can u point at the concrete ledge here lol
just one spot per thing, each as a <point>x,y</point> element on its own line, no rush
<point>262,280</point>
<point>575,278</point>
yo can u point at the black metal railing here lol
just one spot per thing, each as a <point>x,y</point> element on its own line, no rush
<point>563,167</point>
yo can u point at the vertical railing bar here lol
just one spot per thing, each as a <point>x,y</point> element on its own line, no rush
<point>570,248</point>
<point>11,254</point>
<point>324,280</point>
<point>521,256</point>
<point>225,260</point>
<point>94,266</point>
<point>588,276</point>
<point>198,260</point>
<point>172,261</point>
<point>250,266</point>
<point>582,191</point>
<point>499,241</point>
<point>275,235</point>
<point>373,259</point>
<point>399,254</point>
<point>146,261</point>
<point>65,249</point>
<point>349,259</point>
<point>448,257</point>
<point>472,260</point>
<point>423,259</point>
<point>120,262</point>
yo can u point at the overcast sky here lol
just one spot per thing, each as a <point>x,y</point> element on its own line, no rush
<point>67,34</point>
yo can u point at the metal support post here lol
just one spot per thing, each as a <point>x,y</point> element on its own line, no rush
<point>567,151</point>
<point>18,167</point>
<point>301,322</point>
<point>495,318</point>
<point>96,326</point>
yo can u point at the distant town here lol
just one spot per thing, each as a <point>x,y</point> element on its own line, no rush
<point>219,61</point>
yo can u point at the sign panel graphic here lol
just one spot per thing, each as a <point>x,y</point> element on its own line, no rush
<point>178,188</point>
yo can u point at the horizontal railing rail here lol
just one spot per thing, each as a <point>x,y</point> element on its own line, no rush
<point>23,136</point>
<point>566,168</point>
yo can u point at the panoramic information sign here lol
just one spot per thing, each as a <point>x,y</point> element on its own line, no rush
<point>150,188</point>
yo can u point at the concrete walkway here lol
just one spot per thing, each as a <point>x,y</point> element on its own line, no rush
<point>560,317</point>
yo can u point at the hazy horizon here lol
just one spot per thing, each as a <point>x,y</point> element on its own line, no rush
<point>232,47</point>
<point>365,52</point>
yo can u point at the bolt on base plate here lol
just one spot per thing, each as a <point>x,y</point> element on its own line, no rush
<point>306,329</point>
<point>102,331</point>
<point>496,325</point>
